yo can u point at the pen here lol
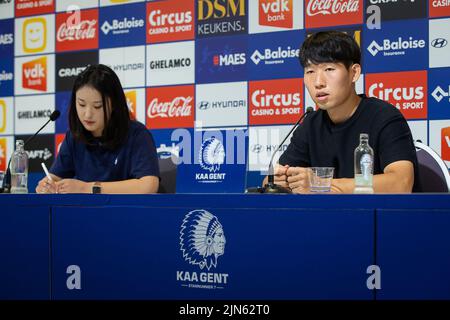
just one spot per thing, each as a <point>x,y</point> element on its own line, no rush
<point>46,171</point>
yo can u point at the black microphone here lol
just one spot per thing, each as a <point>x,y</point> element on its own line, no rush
<point>7,179</point>
<point>270,186</point>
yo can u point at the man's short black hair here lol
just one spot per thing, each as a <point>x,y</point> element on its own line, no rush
<point>105,81</point>
<point>330,46</point>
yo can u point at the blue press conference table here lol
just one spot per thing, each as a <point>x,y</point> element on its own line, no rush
<point>277,246</point>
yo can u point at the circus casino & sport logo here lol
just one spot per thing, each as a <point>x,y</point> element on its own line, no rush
<point>202,242</point>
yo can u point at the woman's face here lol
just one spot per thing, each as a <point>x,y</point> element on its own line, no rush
<point>90,110</point>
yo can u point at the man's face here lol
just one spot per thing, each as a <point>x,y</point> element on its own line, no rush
<point>330,84</point>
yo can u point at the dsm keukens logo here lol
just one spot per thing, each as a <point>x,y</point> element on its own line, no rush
<point>202,242</point>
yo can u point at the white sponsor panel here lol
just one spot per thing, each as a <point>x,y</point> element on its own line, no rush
<point>221,104</point>
<point>7,9</point>
<point>32,112</point>
<point>71,5</point>
<point>439,45</point>
<point>34,74</point>
<point>419,130</point>
<point>136,103</point>
<point>128,63</point>
<point>436,138</point>
<point>6,116</point>
<point>274,11</point>
<point>359,87</point>
<point>171,63</point>
<point>34,35</point>
<point>104,3</point>
<point>263,142</point>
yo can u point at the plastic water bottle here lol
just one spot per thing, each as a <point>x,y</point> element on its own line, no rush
<point>19,169</point>
<point>363,165</point>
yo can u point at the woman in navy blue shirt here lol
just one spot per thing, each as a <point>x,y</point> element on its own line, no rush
<point>104,151</point>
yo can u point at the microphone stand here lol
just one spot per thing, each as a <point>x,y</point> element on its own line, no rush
<point>271,186</point>
<point>6,187</point>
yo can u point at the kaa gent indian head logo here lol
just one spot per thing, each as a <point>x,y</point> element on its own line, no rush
<point>202,239</point>
<point>211,155</point>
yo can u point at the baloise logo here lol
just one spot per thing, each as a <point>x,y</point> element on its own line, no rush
<point>438,94</point>
<point>395,47</point>
<point>122,26</point>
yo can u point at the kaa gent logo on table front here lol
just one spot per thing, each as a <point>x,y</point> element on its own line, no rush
<point>202,241</point>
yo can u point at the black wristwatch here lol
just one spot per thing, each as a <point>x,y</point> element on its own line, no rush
<point>97,187</point>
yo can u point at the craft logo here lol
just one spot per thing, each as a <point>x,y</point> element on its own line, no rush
<point>2,116</point>
<point>397,9</point>
<point>405,90</point>
<point>131,103</point>
<point>70,65</point>
<point>220,17</point>
<point>395,47</point>
<point>276,13</point>
<point>320,13</point>
<point>275,101</point>
<point>34,7</point>
<point>445,143</point>
<point>34,74</point>
<point>170,107</point>
<point>439,43</point>
<point>170,21</point>
<point>439,94</point>
<point>274,56</point>
<point>121,26</point>
<point>40,149</point>
<point>3,151</point>
<point>77,35</point>
<point>34,35</point>
<point>202,242</point>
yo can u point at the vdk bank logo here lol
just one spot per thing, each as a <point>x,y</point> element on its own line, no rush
<point>2,154</point>
<point>34,35</point>
<point>2,116</point>
<point>395,47</point>
<point>131,103</point>
<point>34,74</point>
<point>202,242</point>
<point>438,94</point>
<point>445,143</point>
<point>276,13</point>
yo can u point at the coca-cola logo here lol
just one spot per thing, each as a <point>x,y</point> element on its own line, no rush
<point>84,30</point>
<point>325,7</point>
<point>178,107</point>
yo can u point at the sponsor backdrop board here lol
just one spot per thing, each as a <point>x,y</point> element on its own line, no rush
<point>216,80</point>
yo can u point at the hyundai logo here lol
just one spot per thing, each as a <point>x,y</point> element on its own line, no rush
<point>257,148</point>
<point>439,42</point>
<point>203,105</point>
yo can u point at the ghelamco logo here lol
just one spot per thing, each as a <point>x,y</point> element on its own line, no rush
<point>202,242</point>
<point>211,156</point>
<point>122,26</point>
<point>277,56</point>
<point>438,94</point>
<point>395,47</point>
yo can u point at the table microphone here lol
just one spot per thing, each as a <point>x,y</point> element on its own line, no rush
<point>7,179</point>
<point>270,186</point>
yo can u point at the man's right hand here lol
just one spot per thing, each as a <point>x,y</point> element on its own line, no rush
<point>298,179</point>
<point>280,175</point>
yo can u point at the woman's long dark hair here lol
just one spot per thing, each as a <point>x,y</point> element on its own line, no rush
<point>105,81</point>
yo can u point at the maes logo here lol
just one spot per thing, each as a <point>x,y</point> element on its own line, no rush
<point>276,13</point>
<point>34,74</point>
<point>229,59</point>
<point>395,47</point>
<point>6,38</point>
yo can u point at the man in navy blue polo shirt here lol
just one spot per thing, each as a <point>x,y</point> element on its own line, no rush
<point>329,136</point>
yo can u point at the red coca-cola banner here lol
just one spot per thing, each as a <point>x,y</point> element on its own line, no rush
<point>170,107</point>
<point>323,13</point>
<point>77,30</point>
